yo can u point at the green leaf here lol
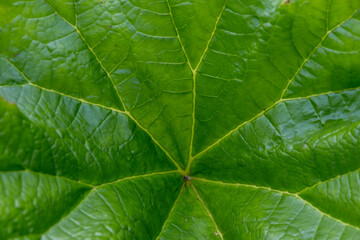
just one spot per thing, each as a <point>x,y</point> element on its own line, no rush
<point>170,119</point>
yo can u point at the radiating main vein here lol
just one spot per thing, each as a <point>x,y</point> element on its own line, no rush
<point>193,77</point>
<point>98,105</point>
<point>283,92</point>
<point>113,83</point>
<point>275,191</point>
<point>194,88</point>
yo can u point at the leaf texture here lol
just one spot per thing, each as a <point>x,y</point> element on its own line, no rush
<point>171,119</point>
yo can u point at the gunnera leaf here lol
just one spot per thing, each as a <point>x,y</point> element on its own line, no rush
<point>171,119</point>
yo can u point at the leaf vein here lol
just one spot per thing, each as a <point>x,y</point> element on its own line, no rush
<point>327,180</point>
<point>194,89</point>
<point>171,210</point>
<point>277,191</point>
<point>208,211</point>
<point>263,112</point>
<point>99,105</point>
<point>314,50</point>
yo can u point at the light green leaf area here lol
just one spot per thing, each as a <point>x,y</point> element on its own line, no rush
<point>171,119</point>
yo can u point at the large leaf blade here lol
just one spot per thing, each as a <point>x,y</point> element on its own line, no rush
<point>258,101</point>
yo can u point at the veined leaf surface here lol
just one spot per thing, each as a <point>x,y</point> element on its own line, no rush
<point>171,119</point>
